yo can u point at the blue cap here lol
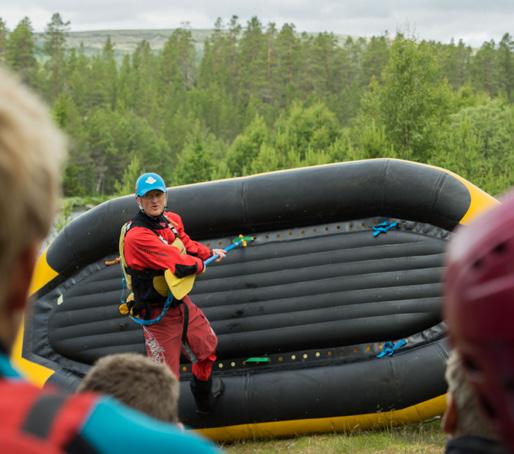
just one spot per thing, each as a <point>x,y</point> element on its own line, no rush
<point>149,182</point>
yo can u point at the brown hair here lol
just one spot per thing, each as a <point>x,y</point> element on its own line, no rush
<point>136,381</point>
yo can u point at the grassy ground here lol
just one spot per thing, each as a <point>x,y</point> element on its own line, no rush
<point>423,438</point>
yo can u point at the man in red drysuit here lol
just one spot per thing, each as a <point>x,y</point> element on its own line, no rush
<point>153,242</point>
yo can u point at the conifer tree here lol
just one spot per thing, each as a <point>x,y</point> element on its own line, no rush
<point>266,160</point>
<point>78,78</point>
<point>3,39</point>
<point>413,98</point>
<point>456,63</point>
<point>353,81</point>
<point>20,54</point>
<point>109,73</point>
<point>253,51</point>
<point>374,59</point>
<point>78,173</point>
<point>100,146</point>
<point>477,143</point>
<point>506,66</point>
<point>138,84</point>
<point>303,128</point>
<point>246,146</point>
<point>484,69</point>
<point>217,99</point>
<point>323,70</point>
<point>196,162</point>
<point>126,185</point>
<point>54,48</point>
<point>177,63</point>
<point>288,66</point>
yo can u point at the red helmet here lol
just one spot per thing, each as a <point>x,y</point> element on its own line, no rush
<point>479,309</point>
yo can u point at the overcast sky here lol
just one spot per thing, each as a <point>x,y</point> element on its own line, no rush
<point>474,21</point>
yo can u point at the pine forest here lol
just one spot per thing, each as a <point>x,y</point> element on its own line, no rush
<point>257,98</point>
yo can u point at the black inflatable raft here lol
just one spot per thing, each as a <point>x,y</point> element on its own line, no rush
<point>347,257</point>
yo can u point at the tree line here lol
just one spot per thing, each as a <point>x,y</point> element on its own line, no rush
<point>259,98</point>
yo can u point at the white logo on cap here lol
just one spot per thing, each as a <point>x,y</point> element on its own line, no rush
<point>150,180</point>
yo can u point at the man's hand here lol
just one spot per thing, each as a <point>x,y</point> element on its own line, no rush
<point>220,253</point>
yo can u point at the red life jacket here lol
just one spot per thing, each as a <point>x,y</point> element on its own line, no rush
<point>48,419</point>
<point>26,444</point>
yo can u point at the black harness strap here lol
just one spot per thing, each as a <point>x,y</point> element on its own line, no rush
<point>41,416</point>
<point>144,274</point>
<point>185,324</point>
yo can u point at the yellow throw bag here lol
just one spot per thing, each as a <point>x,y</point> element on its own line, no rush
<point>179,287</point>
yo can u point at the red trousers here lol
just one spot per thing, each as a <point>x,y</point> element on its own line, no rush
<point>163,340</point>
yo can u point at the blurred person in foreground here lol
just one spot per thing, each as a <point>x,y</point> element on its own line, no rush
<point>32,151</point>
<point>469,430</point>
<point>479,311</point>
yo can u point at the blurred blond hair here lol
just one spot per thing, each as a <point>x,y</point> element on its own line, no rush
<point>32,151</point>
<point>470,420</point>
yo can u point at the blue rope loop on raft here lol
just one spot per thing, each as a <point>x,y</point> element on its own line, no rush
<point>391,348</point>
<point>384,227</point>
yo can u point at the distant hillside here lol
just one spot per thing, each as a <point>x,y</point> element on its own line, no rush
<point>125,41</point>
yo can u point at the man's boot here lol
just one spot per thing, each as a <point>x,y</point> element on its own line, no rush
<point>206,393</point>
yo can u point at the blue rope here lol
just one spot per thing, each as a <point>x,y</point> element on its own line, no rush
<point>138,320</point>
<point>123,287</point>
<point>391,348</point>
<point>157,319</point>
<point>384,227</point>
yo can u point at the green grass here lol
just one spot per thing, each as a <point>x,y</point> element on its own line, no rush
<point>422,438</point>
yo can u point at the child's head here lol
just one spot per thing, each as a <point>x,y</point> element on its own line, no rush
<point>138,382</point>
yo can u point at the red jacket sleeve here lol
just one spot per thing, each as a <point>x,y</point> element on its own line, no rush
<point>192,247</point>
<point>143,249</point>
